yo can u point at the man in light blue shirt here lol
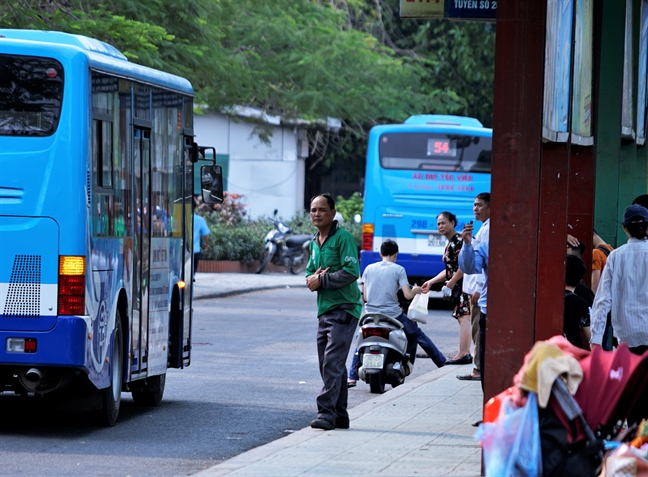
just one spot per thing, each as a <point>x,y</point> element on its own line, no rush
<point>200,233</point>
<point>475,260</point>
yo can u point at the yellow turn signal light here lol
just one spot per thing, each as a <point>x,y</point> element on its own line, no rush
<point>71,265</point>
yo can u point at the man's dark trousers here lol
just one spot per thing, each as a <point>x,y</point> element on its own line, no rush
<point>482,346</point>
<point>334,336</point>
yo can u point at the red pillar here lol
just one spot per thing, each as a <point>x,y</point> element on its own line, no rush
<point>538,191</point>
<point>516,189</point>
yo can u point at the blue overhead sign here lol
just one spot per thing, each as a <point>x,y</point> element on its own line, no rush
<point>471,9</point>
<point>454,9</point>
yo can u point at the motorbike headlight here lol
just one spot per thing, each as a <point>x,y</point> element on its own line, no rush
<point>270,235</point>
<point>284,229</point>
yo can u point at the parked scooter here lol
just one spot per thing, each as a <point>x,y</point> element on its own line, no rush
<point>281,248</point>
<point>382,352</point>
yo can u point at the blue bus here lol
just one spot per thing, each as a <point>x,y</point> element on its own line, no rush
<point>96,201</point>
<point>414,171</point>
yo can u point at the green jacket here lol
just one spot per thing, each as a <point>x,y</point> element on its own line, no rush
<point>339,285</point>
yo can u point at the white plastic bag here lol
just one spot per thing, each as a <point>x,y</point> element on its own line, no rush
<point>418,309</point>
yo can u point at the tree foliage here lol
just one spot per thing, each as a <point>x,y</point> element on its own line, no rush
<point>356,60</point>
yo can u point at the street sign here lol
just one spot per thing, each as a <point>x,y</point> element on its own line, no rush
<point>453,9</point>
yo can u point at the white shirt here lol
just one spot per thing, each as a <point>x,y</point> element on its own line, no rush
<point>623,289</point>
<point>473,283</point>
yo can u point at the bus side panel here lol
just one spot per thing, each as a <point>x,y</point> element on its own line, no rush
<point>108,275</point>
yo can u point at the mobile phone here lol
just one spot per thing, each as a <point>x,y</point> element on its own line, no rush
<point>471,222</point>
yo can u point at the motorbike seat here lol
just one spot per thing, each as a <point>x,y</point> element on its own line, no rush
<point>380,318</point>
<point>297,241</point>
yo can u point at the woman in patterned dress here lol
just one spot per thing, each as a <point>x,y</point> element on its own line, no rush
<point>453,277</point>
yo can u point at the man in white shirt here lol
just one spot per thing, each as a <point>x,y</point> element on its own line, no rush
<point>623,290</point>
<point>473,284</point>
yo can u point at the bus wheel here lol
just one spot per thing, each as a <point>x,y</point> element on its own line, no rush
<point>152,396</point>
<point>112,394</point>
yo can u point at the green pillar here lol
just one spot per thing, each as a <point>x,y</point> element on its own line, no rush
<point>621,165</point>
<point>608,137</point>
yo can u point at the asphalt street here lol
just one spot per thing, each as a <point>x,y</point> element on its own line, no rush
<point>253,379</point>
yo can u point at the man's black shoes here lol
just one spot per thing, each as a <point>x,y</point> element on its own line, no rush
<point>342,422</point>
<point>322,424</point>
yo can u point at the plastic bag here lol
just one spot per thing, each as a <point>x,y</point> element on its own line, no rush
<point>625,461</point>
<point>511,444</point>
<point>418,309</point>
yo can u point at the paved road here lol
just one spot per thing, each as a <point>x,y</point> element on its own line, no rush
<point>253,379</point>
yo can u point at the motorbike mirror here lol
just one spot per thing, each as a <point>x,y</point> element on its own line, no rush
<point>276,211</point>
<point>357,218</point>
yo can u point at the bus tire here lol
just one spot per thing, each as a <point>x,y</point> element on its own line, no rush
<point>112,394</point>
<point>152,396</point>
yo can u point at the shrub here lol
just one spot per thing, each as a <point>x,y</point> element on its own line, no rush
<point>349,207</point>
<point>243,242</point>
<point>231,211</point>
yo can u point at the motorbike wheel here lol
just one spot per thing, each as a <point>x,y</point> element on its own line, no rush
<point>377,383</point>
<point>297,269</point>
<point>268,253</point>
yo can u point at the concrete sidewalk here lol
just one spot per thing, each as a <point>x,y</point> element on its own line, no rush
<point>421,428</point>
<point>217,285</point>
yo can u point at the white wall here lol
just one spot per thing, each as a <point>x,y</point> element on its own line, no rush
<point>270,176</point>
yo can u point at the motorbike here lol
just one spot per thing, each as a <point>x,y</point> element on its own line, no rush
<point>282,248</point>
<point>382,352</point>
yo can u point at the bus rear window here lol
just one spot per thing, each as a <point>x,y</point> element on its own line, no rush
<point>31,93</point>
<point>435,151</point>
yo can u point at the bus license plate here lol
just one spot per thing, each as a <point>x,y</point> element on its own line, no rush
<point>373,360</point>
<point>436,240</point>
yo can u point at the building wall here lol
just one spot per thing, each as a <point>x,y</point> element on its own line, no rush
<point>269,175</point>
<point>621,164</point>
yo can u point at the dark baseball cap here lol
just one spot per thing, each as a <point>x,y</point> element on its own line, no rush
<point>635,214</point>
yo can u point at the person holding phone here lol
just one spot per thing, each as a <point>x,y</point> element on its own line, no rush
<point>472,284</point>
<point>473,259</point>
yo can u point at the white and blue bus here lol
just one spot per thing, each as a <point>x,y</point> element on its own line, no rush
<point>96,200</point>
<point>415,170</point>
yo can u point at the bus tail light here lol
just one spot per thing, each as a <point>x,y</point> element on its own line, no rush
<point>71,294</point>
<point>367,236</point>
<point>21,345</point>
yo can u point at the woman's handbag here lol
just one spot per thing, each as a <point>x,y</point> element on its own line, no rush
<point>452,295</point>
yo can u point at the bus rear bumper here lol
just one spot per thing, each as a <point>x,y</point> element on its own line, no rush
<point>62,346</point>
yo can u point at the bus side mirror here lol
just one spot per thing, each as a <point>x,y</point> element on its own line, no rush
<point>194,152</point>
<point>211,183</point>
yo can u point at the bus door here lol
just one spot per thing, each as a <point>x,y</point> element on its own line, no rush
<point>142,187</point>
<point>187,250</point>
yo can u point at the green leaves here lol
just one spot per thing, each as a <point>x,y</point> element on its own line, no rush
<point>351,59</point>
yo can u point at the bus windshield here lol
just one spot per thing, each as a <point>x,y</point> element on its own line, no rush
<point>435,151</point>
<point>31,94</point>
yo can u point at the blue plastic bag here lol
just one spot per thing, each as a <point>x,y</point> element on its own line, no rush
<point>512,443</point>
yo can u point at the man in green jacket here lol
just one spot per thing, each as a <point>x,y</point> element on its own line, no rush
<point>332,272</point>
